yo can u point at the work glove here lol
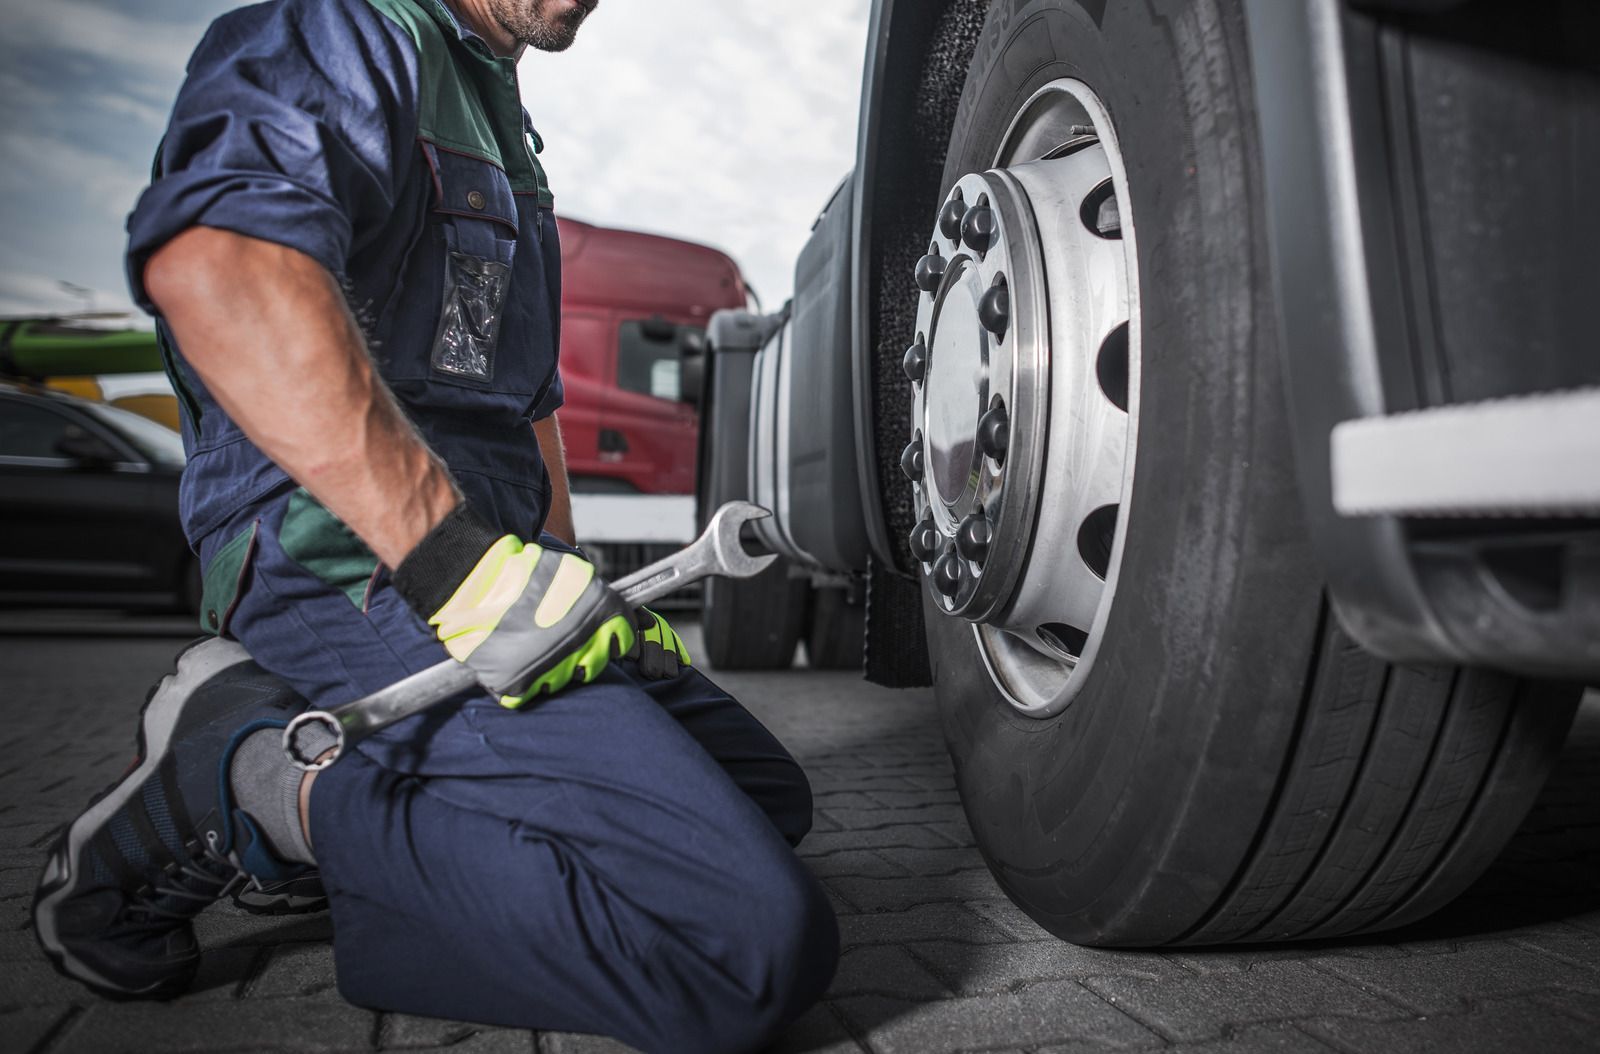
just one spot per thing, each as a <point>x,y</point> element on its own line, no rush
<point>657,647</point>
<point>528,620</point>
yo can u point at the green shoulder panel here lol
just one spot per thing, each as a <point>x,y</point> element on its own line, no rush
<point>467,102</point>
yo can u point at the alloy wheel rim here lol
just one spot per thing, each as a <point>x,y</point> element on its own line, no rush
<point>1025,370</point>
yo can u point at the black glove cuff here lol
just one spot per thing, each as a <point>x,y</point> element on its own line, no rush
<point>435,569</point>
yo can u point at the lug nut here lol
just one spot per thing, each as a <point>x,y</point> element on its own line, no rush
<point>925,541</point>
<point>974,537</point>
<point>947,574</point>
<point>930,272</point>
<point>916,361</point>
<point>911,460</point>
<point>994,432</point>
<point>978,230</point>
<point>950,217</point>
<point>994,310</point>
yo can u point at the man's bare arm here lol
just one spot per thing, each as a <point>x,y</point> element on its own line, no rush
<point>559,522</point>
<point>268,331</point>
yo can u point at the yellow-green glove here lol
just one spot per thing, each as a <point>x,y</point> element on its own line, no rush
<point>657,647</point>
<point>529,621</point>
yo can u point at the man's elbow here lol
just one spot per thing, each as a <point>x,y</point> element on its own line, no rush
<point>187,269</point>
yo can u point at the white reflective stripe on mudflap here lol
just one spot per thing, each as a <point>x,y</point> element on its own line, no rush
<point>1537,454</point>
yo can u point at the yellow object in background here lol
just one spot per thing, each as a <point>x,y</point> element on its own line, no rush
<point>158,407</point>
<point>82,387</point>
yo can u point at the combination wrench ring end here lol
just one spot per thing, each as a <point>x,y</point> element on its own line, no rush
<point>327,755</point>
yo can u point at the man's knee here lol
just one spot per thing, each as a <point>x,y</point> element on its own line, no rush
<point>787,960</point>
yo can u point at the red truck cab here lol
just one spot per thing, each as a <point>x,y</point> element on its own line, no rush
<point>633,308</point>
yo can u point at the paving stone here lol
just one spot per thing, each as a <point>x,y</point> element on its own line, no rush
<point>870,819</point>
<point>914,836</point>
<point>880,970</point>
<point>411,1033</point>
<point>218,1028</point>
<point>34,982</point>
<point>25,1029</point>
<point>498,1041</point>
<point>1223,961</point>
<point>295,969</point>
<point>858,782</point>
<point>1011,919</point>
<point>895,894</point>
<point>818,1031</point>
<point>577,1043</point>
<point>1449,983</point>
<point>957,831</point>
<point>225,925</point>
<point>223,971</point>
<point>1203,1008</point>
<point>1053,1012</point>
<point>913,798</point>
<point>858,863</point>
<point>18,943</point>
<point>831,801</point>
<point>1583,1004</point>
<point>978,969</point>
<point>1253,1039</point>
<point>1492,1027</point>
<point>945,861</point>
<point>926,922</point>
<point>18,882</point>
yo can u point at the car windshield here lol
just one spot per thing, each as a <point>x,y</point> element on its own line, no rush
<point>157,442</point>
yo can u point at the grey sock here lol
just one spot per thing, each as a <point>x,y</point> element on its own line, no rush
<point>267,786</point>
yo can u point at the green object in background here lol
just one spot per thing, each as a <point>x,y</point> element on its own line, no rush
<point>39,348</point>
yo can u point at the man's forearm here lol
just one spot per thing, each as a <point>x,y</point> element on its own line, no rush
<point>559,519</point>
<point>268,331</point>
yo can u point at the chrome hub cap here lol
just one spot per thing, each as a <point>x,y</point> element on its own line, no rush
<point>1025,375</point>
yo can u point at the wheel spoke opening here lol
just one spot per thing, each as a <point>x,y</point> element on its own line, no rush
<point>1100,212</point>
<point>1066,641</point>
<point>1111,367</point>
<point>1095,538</point>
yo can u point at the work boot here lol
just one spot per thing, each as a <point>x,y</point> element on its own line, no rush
<point>297,895</point>
<point>114,906</point>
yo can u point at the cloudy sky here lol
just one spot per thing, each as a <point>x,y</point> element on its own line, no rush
<point>725,121</point>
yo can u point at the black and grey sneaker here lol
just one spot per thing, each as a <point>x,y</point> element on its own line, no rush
<point>114,904</point>
<point>297,895</point>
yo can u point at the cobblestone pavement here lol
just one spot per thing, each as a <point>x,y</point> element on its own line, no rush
<point>935,958</point>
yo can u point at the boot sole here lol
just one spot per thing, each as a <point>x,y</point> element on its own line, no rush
<point>157,720</point>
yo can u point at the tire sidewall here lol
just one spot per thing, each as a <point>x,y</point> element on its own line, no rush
<point>1098,821</point>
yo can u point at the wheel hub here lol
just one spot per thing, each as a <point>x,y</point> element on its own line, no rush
<point>1024,373</point>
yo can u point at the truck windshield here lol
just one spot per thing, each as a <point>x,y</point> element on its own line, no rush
<point>648,356</point>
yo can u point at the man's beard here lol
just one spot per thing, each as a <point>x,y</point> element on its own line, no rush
<point>530,24</point>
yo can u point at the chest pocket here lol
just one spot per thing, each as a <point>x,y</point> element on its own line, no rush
<point>478,219</point>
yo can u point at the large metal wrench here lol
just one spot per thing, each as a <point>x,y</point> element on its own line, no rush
<point>718,551</point>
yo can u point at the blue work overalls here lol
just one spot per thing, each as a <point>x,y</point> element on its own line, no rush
<point>615,859</point>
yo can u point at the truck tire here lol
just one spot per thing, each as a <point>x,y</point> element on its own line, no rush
<point>1200,755</point>
<point>836,630</point>
<point>751,623</point>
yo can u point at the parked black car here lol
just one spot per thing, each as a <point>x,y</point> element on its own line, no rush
<point>89,506</point>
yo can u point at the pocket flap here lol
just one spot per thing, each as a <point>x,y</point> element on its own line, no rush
<point>470,186</point>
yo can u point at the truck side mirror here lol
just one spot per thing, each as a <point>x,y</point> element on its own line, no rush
<point>692,367</point>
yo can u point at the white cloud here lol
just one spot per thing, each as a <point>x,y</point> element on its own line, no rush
<point>721,121</point>
<point>100,33</point>
<point>27,293</point>
<point>109,184</point>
